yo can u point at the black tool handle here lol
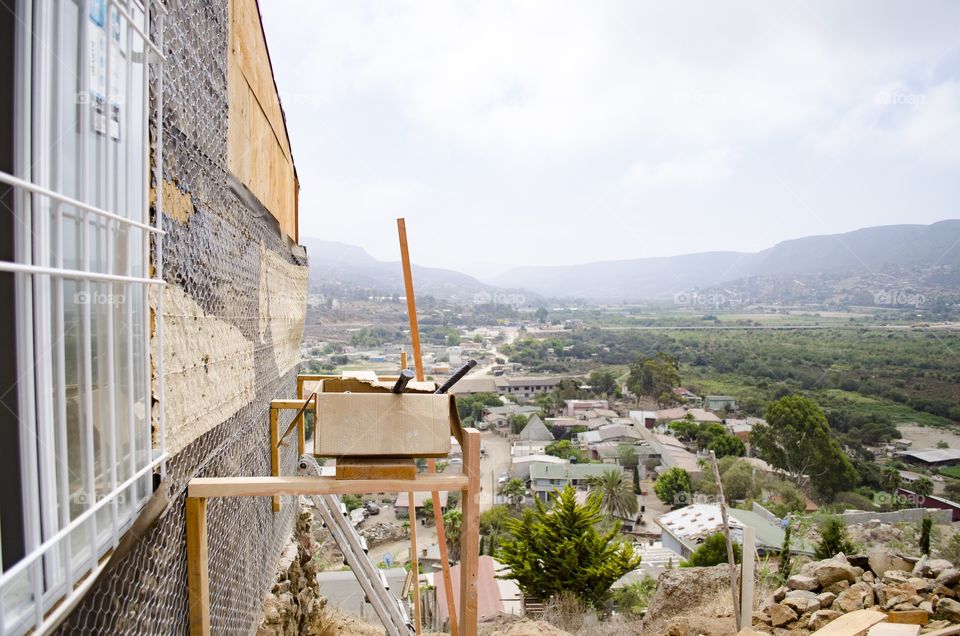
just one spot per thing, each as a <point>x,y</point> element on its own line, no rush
<point>462,371</point>
<point>405,376</point>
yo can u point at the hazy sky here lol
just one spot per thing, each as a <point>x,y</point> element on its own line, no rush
<point>522,133</point>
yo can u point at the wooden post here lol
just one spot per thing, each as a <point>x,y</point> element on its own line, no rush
<point>731,560</point>
<point>746,575</point>
<point>198,583</point>
<point>301,424</point>
<point>414,564</point>
<point>275,451</point>
<point>431,464</point>
<point>411,302</point>
<point>470,533</point>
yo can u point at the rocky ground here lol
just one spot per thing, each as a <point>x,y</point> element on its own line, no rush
<point>924,590</point>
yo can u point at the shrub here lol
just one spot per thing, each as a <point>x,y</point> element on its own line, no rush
<point>833,539</point>
<point>713,551</point>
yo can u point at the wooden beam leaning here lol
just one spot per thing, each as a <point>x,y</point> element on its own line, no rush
<point>211,487</point>
<point>198,582</point>
<point>301,425</point>
<point>275,451</point>
<point>470,533</point>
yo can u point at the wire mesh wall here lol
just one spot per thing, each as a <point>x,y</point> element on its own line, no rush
<point>215,258</point>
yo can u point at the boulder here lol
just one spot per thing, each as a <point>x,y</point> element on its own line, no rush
<point>821,617</point>
<point>936,566</point>
<point>826,599</point>
<point>780,593</point>
<point>837,587</point>
<point>833,570</point>
<point>949,577</point>
<point>948,609</point>
<point>801,605</point>
<point>803,582</point>
<point>781,615</point>
<point>800,594</point>
<point>893,577</point>
<point>882,559</point>
<point>920,567</point>
<point>679,626</point>
<point>849,600</point>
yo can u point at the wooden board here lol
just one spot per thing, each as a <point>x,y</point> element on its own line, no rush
<point>894,629</point>
<point>383,424</point>
<point>852,624</point>
<point>909,617</point>
<point>376,468</point>
<point>470,533</point>
<point>269,486</point>
<point>198,582</point>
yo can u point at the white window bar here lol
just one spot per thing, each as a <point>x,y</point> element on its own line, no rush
<point>83,225</point>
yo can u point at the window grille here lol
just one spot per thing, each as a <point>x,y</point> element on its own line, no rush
<point>86,257</point>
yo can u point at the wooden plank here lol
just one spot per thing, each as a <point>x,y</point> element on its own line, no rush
<point>953,630</point>
<point>894,629</point>
<point>290,405</point>
<point>301,424</point>
<point>908,617</point>
<point>414,565</point>
<point>444,557</point>
<point>852,624</point>
<point>731,562</point>
<point>747,571</point>
<point>411,303</point>
<point>198,582</point>
<point>275,452</point>
<point>470,533</point>
<point>376,468</point>
<point>296,485</point>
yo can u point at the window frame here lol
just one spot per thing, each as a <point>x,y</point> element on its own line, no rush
<point>46,581</point>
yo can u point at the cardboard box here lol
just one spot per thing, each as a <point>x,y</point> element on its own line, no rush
<point>362,418</point>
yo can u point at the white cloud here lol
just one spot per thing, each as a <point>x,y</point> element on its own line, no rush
<point>706,167</point>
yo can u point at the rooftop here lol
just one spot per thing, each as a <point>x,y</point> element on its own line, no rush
<point>567,471</point>
<point>933,455</point>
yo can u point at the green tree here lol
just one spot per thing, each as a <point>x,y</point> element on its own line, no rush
<point>673,487</point>
<point>727,445</point>
<point>942,444</point>
<point>713,551</point>
<point>796,439</point>
<point>926,527</point>
<point>890,478</point>
<point>602,382</point>
<point>633,598</point>
<point>517,422</point>
<point>627,456</point>
<point>541,315</point>
<point>654,376</point>
<point>565,450</point>
<point>559,549</point>
<point>352,502</point>
<point>452,520</point>
<point>616,495</point>
<point>922,486</point>
<point>514,490</point>
<point>470,407</point>
<point>833,539</point>
<point>739,482</point>
<point>783,568</point>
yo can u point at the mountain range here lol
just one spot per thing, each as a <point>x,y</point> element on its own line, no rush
<point>932,250</point>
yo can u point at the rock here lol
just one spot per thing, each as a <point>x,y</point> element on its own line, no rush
<point>801,605</point>
<point>942,590</point>
<point>868,576</point>
<point>920,584</point>
<point>849,600</point>
<point>936,566</point>
<point>900,593</point>
<point>948,609</point>
<point>780,593</point>
<point>837,587</point>
<point>826,599</point>
<point>882,559</point>
<point>805,594</point>
<point>821,617</point>
<point>926,606</point>
<point>761,619</point>
<point>679,590</point>
<point>920,567</point>
<point>893,577</point>
<point>803,582</point>
<point>949,577</point>
<point>781,615</point>
<point>833,570</point>
<point>679,626</point>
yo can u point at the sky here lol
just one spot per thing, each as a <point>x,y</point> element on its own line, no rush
<point>551,132</point>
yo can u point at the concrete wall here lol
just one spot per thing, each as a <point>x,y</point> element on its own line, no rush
<point>233,314</point>
<point>909,515</point>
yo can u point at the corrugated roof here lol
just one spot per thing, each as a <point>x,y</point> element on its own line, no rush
<point>933,455</point>
<point>568,471</point>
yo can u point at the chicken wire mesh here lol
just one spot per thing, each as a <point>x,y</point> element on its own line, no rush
<point>215,258</point>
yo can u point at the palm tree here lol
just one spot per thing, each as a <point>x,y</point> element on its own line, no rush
<point>617,497</point>
<point>890,478</point>
<point>923,487</point>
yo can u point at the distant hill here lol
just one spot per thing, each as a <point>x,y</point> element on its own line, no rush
<point>344,265</point>
<point>871,251</point>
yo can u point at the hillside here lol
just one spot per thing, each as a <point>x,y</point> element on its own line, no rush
<point>924,254</point>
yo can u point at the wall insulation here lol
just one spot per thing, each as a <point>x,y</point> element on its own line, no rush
<point>233,312</point>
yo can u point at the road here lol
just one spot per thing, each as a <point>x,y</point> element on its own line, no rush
<point>496,462</point>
